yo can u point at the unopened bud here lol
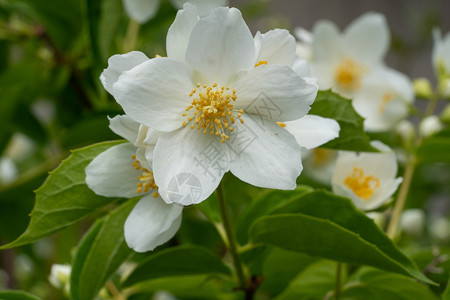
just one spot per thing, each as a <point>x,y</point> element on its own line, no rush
<point>405,131</point>
<point>440,229</point>
<point>445,116</point>
<point>444,87</point>
<point>412,222</point>
<point>429,126</point>
<point>422,88</point>
<point>60,275</point>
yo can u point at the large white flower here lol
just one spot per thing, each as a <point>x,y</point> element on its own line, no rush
<point>144,10</point>
<point>368,179</point>
<point>123,171</point>
<point>351,63</point>
<point>215,105</point>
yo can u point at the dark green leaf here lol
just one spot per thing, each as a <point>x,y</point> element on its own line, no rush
<point>446,294</point>
<point>110,17</point>
<point>184,260</point>
<point>325,225</point>
<point>16,295</point>
<point>64,198</point>
<point>101,252</point>
<point>435,149</point>
<point>352,136</point>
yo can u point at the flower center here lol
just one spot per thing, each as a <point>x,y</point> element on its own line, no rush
<point>322,157</point>
<point>362,186</point>
<point>261,62</point>
<point>212,110</point>
<point>348,74</point>
<point>385,99</point>
<point>146,181</point>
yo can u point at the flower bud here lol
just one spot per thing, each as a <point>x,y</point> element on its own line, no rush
<point>444,87</point>
<point>405,131</point>
<point>445,115</point>
<point>412,222</point>
<point>422,88</point>
<point>60,275</point>
<point>440,229</point>
<point>429,126</point>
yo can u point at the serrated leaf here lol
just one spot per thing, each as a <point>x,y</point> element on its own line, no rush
<point>16,295</point>
<point>263,205</point>
<point>372,284</point>
<point>64,198</point>
<point>435,149</point>
<point>100,253</point>
<point>184,260</point>
<point>328,226</point>
<point>351,136</point>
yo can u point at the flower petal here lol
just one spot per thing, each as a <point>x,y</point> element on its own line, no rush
<point>188,165</point>
<point>125,127</point>
<point>301,68</point>
<point>155,93</point>
<point>265,155</point>
<point>220,45</point>
<point>141,10</point>
<point>112,174</point>
<point>180,31</point>
<point>327,46</point>
<point>117,64</point>
<point>276,47</point>
<point>204,7</point>
<point>366,49</point>
<point>152,222</point>
<point>275,92</point>
<point>312,131</point>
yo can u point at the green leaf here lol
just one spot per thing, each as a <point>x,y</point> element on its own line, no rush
<point>110,16</point>
<point>446,294</point>
<point>100,253</point>
<point>435,149</point>
<point>16,295</point>
<point>64,198</point>
<point>312,283</point>
<point>372,284</point>
<point>184,260</point>
<point>263,205</point>
<point>352,136</point>
<point>325,225</point>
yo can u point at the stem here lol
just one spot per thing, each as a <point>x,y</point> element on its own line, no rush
<point>337,281</point>
<point>232,244</point>
<point>114,291</point>
<point>131,36</point>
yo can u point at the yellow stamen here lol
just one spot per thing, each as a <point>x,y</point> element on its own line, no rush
<point>362,186</point>
<point>348,74</point>
<point>261,62</point>
<point>281,124</point>
<point>146,181</point>
<point>385,99</point>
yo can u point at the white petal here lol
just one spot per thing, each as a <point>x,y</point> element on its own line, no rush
<point>141,10</point>
<point>304,35</point>
<point>220,45</point>
<point>125,127</point>
<point>155,93</point>
<point>276,47</point>
<point>117,64</point>
<point>188,165</point>
<point>327,45</point>
<point>381,195</point>
<point>265,155</point>
<point>180,32</point>
<point>275,92</point>
<point>204,6</point>
<point>301,68</point>
<point>152,222</point>
<point>367,38</point>
<point>312,131</point>
<point>112,174</point>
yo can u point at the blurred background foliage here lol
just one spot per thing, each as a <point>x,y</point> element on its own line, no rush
<point>51,101</point>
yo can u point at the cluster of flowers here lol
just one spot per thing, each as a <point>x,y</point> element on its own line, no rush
<point>224,100</point>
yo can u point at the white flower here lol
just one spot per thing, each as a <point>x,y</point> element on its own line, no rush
<point>441,52</point>
<point>216,100</point>
<point>351,63</point>
<point>430,125</point>
<point>60,275</point>
<point>123,171</point>
<point>144,10</point>
<point>319,164</point>
<point>8,171</point>
<point>368,179</point>
<point>440,229</point>
<point>412,221</point>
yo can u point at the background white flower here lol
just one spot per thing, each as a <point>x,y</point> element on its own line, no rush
<point>118,172</point>
<point>368,179</point>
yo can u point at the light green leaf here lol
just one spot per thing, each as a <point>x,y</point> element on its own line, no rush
<point>100,253</point>
<point>312,283</point>
<point>16,295</point>
<point>184,260</point>
<point>352,136</point>
<point>64,198</point>
<point>325,225</point>
<point>372,284</point>
<point>435,149</point>
<point>263,205</point>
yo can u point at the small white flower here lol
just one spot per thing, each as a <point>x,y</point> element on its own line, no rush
<point>8,170</point>
<point>430,125</point>
<point>351,64</point>
<point>440,229</point>
<point>412,221</point>
<point>368,179</point>
<point>441,52</point>
<point>217,87</point>
<point>319,164</point>
<point>123,171</point>
<point>60,275</point>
